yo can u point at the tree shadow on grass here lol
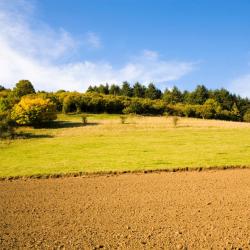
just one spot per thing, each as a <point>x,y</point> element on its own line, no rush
<point>67,124</point>
<point>28,135</point>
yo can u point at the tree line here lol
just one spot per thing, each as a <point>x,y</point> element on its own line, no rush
<point>172,96</point>
<point>22,105</point>
<point>199,96</point>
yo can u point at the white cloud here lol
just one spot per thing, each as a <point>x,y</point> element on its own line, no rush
<point>148,67</point>
<point>93,40</point>
<point>150,54</point>
<point>241,85</point>
<point>30,49</point>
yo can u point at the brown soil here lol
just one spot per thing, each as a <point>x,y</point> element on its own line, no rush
<point>179,210</point>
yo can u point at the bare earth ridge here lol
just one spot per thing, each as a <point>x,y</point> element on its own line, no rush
<point>179,210</point>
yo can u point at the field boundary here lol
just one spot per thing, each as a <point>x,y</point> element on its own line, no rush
<point>115,173</point>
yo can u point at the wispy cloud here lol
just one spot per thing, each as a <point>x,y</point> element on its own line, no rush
<point>31,49</point>
<point>148,66</point>
<point>93,40</point>
<point>241,85</point>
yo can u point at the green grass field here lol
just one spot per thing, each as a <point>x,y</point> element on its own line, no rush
<point>142,143</point>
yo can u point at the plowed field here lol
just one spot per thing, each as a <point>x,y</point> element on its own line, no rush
<point>179,210</point>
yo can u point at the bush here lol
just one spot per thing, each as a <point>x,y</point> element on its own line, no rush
<point>135,107</point>
<point>144,106</point>
<point>3,104</point>
<point>209,109</point>
<point>123,119</point>
<point>190,110</point>
<point>72,103</point>
<point>84,119</point>
<point>175,120</point>
<point>8,102</point>
<point>7,126</point>
<point>246,117</point>
<point>33,111</point>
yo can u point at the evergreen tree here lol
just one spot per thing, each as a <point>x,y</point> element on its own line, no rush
<point>199,95</point>
<point>139,90</point>
<point>173,96</point>
<point>223,97</point>
<point>126,90</point>
<point>114,90</point>
<point>152,92</point>
<point>103,89</point>
<point>90,89</point>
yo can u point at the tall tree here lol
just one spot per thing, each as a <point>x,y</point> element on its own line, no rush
<point>138,90</point>
<point>224,97</point>
<point>24,87</point>
<point>114,90</point>
<point>199,95</point>
<point>126,90</point>
<point>186,96</point>
<point>90,89</point>
<point>173,96</point>
<point>152,92</point>
<point>103,89</point>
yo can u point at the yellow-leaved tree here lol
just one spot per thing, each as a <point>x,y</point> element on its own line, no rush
<point>33,111</point>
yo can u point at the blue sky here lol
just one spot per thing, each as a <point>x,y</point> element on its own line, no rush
<point>71,44</point>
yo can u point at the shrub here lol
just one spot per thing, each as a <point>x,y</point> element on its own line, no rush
<point>7,126</point>
<point>123,119</point>
<point>190,110</point>
<point>209,109</point>
<point>225,115</point>
<point>72,103</point>
<point>33,111</point>
<point>8,102</point>
<point>135,107</point>
<point>84,119</point>
<point>246,116</point>
<point>175,120</point>
<point>3,104</point>
<point>2,88</point>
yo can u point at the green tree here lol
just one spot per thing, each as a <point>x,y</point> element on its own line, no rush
<point>152,92</point>
<point>24,87</point>
<point>7,125</point>
<point>103,89</point>
<point>186,97</point>
<point>72,103</point>
<point>210,109</point>
<point>173,96</point>
<point>246,116</point>
<point>2,88</point>
<point>235,112</point>
<point>4,105</point>
<point>8,100</point>
<point>138,90</point>
<point>126,90</point>
<point>114,90</point>
<point>90,89</point>
<point>199,95</point>
<point>224,97</point>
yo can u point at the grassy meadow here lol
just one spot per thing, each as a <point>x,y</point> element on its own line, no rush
<point>142,143</point>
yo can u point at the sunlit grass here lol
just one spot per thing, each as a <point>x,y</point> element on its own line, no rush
<point>141,143</point>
